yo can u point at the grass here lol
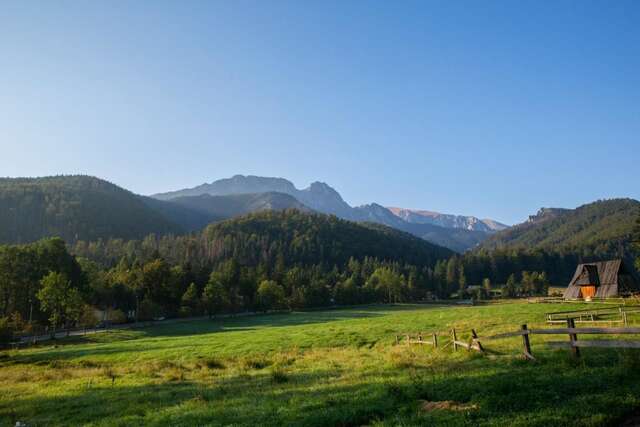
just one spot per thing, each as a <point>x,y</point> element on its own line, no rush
<point>337,367</point>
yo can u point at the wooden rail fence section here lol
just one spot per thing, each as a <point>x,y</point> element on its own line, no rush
<point>419,338</point>
<point>573,343</point>
<point>599,315</point>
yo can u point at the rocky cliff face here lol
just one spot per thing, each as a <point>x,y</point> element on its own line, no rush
<point>545,214</point>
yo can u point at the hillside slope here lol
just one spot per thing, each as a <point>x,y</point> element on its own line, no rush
<point>310,238</point>
<point>229,206</point>
<point>325,199</point>
<point>75,208</point>
<point>600,227</point>
<point>272,238</point>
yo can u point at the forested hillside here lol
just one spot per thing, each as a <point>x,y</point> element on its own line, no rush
<point>74,208</point>
<point>86,208</point>
<point>262,261</point>
<point>270,238</point>
<point>602,228</point>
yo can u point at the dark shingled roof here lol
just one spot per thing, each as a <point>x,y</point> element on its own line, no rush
<point>610,277</point>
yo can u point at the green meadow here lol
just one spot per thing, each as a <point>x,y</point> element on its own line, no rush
<point>320,368</point>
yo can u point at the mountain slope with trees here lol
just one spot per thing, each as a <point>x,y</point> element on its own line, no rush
<point>75,208</point>
<point>86,208</point>
<point>599,228</point>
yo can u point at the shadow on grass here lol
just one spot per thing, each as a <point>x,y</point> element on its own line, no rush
<point>600,390</point>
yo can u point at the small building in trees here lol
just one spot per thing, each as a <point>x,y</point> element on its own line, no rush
<point>601,280</point>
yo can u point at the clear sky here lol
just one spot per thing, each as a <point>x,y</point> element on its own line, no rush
<point>487,108</point>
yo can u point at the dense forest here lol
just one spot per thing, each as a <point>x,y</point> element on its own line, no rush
<point>263,261</point>
<point>80,207</point>
<point>599,229</point>
<point>74,208</point>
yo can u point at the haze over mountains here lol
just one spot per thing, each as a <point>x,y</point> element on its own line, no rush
<point>88,208</point>
<point>454,232</point>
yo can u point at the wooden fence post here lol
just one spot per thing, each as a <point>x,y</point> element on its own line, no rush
<point>455,339</point>
<point>474,340</point>
<point>435,340</point>
<point>420,337</point>
<point>573,338</point>
<point>526,344</point>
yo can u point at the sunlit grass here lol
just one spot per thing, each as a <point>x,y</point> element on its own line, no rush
<point>335,367</point>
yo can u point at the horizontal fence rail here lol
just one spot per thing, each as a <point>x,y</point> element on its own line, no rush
<point>598,315</point>
<point>574,344</point>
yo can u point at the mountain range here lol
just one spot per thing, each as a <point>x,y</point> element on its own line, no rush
<point>454,232</point>
<point>88,208</point>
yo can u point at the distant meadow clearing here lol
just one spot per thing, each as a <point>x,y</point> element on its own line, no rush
<point>334,367</point>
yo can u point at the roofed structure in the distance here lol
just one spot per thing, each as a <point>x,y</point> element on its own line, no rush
<point>610,279</point>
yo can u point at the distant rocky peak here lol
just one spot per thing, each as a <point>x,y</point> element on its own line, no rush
<point>322,188</point>
<point>471,223</point>
<point>545,214</point>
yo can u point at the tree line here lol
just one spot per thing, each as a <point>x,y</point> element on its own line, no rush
<point>266,261</point>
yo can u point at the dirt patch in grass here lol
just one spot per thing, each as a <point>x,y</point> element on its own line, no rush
<point>446,405</point>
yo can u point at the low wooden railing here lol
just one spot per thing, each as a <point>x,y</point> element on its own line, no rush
<point>475,342</point>
<point>598,315</point>
<point>573,343</point>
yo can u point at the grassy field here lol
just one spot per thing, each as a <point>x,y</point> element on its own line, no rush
<point>338,367</point>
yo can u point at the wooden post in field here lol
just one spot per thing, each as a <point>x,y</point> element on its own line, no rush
<point>573,338</point>
<point>397,340</point>
<point>455,339</point>
<point>624,318</point>
<point>526,344</point>
<point>420,337</point>
<point>435,340</point>
<point>474,340</point>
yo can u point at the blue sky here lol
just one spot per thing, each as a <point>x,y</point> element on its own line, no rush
<point>489,108</point>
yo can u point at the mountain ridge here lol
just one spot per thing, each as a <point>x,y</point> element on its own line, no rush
<point>323,198</point>
<point>472,223</point>
<point>603,226</point>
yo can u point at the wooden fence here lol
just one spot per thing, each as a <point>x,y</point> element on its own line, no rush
<point>431,338</point>
<point>597,315</point>
<point>573,343</point>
